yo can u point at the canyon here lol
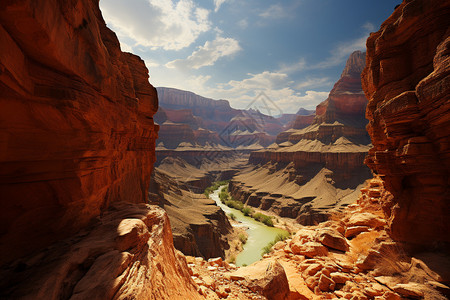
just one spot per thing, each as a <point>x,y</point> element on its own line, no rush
<point>92,208</point>
<point>77,151</point>
<point>407,84</point>
<point>313,170</point>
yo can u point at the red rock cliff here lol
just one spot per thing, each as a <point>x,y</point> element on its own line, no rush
<point>407,82</point>
<point>76,127</point>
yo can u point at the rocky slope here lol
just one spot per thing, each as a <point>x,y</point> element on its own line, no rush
<point>127,253</point>
<point>77,145</point>
<point>199,226</point>
<point>407,82</point>
<point>318,168</point>
<point>348,257</point>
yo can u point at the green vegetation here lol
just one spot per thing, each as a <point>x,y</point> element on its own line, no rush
<point>232,216</point>
<point>243,238</point>
<point>228,201</point>
<point>247,211</point>
<point>263,219</point>
<point>280,237</point>
<point>232,259</point>
<point>215,186</point>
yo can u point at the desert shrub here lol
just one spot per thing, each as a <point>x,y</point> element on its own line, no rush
<point>232,259</point>
<point>278,238</point>
<point>232,216</point>
<point>267,220</point>
<point>223,196</point>
<point>247,211</point>
<point>215,186</point>
<point>243,238</point>
<point>267,249</point>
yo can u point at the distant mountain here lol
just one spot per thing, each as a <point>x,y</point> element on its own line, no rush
<point>305,112</point>
<point>184,116</point>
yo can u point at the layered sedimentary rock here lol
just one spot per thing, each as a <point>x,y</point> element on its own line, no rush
<point>128,253</point>
<point>77,145</point>
<point>212,121</point>
<point>407,82</point>
<point>172,134</point>
<point>76,129</point>
<point>318,168</point>
<point>219,110</point>
<point>199,226</point>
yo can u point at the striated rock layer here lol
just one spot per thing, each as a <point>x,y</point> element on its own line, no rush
<point>407,82</point>
<point>317,169</point>
<point>341,114</point>
<point>127,254</point>
<point>77,147</point>
<point>76,127</point>
<point>199,226</point>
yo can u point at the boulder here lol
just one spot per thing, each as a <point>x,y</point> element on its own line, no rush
<point>309,249</point>
<point>365,219</point>
<point>332,239</point>
<point>266,277</point>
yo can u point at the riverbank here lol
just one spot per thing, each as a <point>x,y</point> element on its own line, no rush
<point>259,235</point>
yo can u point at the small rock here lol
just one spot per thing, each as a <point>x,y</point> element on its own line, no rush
<point>236,277</point>
<point>388,296</point>
<point>211,268</point>
<point>366,219</point>
<point>355,230</point>
<point>215,261</point>
<point>221,292</point>
<point>209,282</point>
<point>309,249</point>
<point>339,277</point>
<point>312,270</point>
<point>326,283</point>
<point>410,290</point>
<point>332,239</point>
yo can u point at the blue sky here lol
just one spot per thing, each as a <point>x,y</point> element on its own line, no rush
<point>292,50</point>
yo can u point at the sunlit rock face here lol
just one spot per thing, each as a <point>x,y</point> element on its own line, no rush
<point>407,82</point>
<point>76,127</point>
<point>314,169</point>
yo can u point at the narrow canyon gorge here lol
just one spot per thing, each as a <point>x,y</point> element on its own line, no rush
<point>110,187</point>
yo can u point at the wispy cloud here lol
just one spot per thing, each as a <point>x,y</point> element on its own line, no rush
<point>369,26</point>
<point>312,82</point>
<point>292,68</point>
<point>217,4</point>
<point>207,54</point>
<point>177,23</point>
<point>275,11</point>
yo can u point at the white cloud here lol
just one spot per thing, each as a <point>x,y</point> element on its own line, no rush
<point>341,53</point>
<point>277,86</point>
<point>151,63</point>
<point>125,47</point>
<point>275,11</point>
<point>166,24</point>
<point>312,82</point>
<point>261,81</point>
<point>292,68</point>
<point>217,4</point>
<point>369,26</point>
<point>207,54</point>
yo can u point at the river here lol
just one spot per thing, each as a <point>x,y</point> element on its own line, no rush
<point>259,235</point>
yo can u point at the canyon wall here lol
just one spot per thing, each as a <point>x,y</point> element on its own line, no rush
<point>77,147</point>
<point>199,226</point>
<point>314,169</point>
<point>407,82</point>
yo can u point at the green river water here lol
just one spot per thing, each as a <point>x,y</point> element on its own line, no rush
<point>259,235</point>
